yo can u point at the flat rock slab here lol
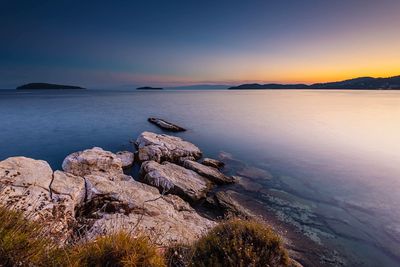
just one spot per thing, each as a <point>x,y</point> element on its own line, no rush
<point>162,147</point>
<point>165,125</point>
<point>210,173</point>
<point>213,163</point>
<point>174,179</point>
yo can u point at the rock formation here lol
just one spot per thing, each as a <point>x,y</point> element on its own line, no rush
<point>171,178</point>
<point>209,172</point>
<point>127,158</point>
<point>213,163</point>
<point>161,147</point>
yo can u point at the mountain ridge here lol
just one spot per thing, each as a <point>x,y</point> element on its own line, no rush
<point>360,83</point>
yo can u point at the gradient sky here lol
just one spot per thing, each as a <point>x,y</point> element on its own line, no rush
<point>170,42</point>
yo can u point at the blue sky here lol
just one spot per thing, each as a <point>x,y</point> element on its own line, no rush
<point>116,43</point>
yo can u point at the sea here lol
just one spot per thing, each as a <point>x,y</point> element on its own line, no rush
<point>322,164</point>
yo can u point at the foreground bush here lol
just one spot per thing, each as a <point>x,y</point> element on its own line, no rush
<point>239,243</point>
<point>21,241</point>
<point>116,250</point>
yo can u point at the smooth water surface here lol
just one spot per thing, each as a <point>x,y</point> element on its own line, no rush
<point>334,155</point>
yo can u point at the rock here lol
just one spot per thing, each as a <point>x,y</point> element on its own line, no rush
<point>127,158</point>
<point>213,163</point>
<point>254,173</point>
<point>210,173</point>
<point>249,184</point>
<point>182,160</point>
<point>166,125</point>
<point>140,209</point>
<point>70,187</point>
<point>94,161</point>
<point>25,186</point>
<point>161,147</point>
<point>232,208</point>
<point>174,179</point>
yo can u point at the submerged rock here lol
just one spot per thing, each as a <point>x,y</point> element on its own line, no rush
<point>163,124</point>
<point>161,147</point>
<point>27,185</point>
<point>227,202</point>
<point>94,161</point>
<point>211,173</point>
<point>127,158</point>
<point>254,173</point>
<point>213,163</point>
<point>174,179</point>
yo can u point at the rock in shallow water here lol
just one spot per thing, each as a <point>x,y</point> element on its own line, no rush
<point>161,147</point>
<point>227,200</point>
<point>209,172</point>
<point>163,124</point>
<point>213,163</point>
<point>174,179</point>
<point>254,173</point>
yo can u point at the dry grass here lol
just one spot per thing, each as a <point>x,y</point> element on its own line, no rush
<point>119,249</point>
<point>232,243</point>
<point>21,241</point>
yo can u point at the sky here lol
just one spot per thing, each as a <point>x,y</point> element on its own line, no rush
<point>182,42</point>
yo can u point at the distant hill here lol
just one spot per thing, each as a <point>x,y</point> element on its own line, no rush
<point>200,87</point>
<point>362,83</point>
<point>47,86</point>
<point>149,88</point>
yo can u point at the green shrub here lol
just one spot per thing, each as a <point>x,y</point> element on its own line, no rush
<point>21,241</point>
<point>115,250</point>
<point>239,243</point>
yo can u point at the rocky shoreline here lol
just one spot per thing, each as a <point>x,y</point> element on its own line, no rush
<point>176,197</point>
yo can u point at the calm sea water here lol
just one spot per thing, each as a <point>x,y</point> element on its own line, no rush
<point>334,155</point>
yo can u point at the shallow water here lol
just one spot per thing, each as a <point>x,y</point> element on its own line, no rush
<point>334,155</point>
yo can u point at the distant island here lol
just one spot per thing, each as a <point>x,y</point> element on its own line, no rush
<point>148,88</point>
<point>200,87</point>
<point>47,86</point>
<point>362,83</point>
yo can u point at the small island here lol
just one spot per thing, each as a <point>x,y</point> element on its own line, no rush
<point>46,86</point>
<point>149,88</point>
